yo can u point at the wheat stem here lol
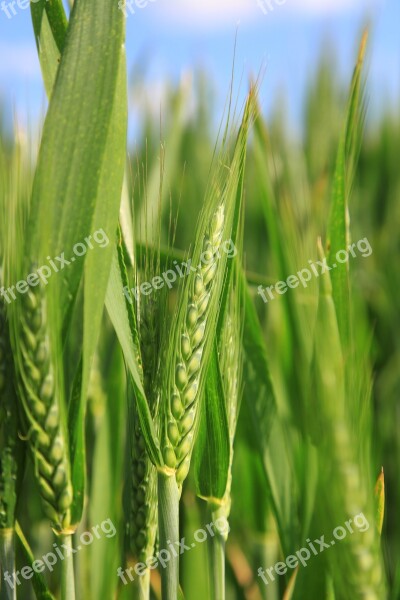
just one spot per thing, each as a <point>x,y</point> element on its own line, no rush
<point>216,556</point>
<point>168,507</point>
<point>67,570</point>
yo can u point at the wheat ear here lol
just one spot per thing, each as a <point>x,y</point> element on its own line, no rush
<point>41,410</point>
<point>186,370</point>
<point>144,505</point>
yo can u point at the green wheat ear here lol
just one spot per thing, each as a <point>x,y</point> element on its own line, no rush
<point>186,364</point>
<point>144,509</point>
<point>143,517</point>
<point>41,407</point>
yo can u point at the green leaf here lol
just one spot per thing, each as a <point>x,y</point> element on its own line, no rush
<point>261,405</point>
<point>69,175</point>
<point>50,27</point>
<point>123,319</point>
<point>380,501</point>
<point>7,562</point>
<point>98,263</point>
<point>76,427</point>
<point>77,186</point>
<point>289,592</point>
<point>339,222</point>
<point>258,384</point>
<point>109,458</point>
<point>212,455</point>
<point>38,581</point>
<point>238,163</point>
<point>298,338</point>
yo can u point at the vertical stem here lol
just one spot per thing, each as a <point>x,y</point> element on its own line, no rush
<point>143,586</point>
<point>67,570</point>
<point>217,566</point>
<point>7,561</point>
<point>216,555</point>
<point>168,512</point>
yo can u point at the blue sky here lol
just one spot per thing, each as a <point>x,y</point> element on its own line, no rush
<point>177,36</point>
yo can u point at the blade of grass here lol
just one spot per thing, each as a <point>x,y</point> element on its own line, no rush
<point>76,169</point>
<point>50,27</point>
<point>106,147</point>
<point>339,222</point>
<point>123,319</point>
<point>380,501</point>
<point>39,585</point>
<point>7,562</point>
<point>212,456</point>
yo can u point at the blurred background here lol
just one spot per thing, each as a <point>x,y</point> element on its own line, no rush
<point>166,41</point>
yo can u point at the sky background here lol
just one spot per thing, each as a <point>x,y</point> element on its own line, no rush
<point>174,37</point>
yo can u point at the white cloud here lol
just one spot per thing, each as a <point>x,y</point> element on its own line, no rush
<point>321,7</point>
<point>217,13</point>
<point>209,12</point>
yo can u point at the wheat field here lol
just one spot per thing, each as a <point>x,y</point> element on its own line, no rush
<point>199,356</point>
